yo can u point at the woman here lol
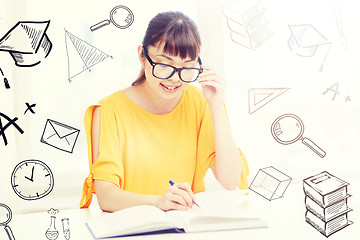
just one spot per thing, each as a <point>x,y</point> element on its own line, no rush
<point>161,128</point>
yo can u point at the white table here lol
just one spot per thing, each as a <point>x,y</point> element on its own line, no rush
<point>285,218</point>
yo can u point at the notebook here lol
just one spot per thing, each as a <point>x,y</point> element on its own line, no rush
<point>146,219</point>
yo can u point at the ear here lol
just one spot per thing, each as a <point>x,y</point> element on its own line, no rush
<point>141,55</point>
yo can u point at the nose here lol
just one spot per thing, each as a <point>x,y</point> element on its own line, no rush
<point>176,76</point>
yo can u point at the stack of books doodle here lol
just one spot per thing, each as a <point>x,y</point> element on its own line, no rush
<point>326,202</point>
<point>247,22</point>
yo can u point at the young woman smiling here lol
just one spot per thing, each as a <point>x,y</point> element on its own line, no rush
<point>162,128</point>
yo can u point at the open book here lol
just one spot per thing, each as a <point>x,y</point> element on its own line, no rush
<point>151,220</point>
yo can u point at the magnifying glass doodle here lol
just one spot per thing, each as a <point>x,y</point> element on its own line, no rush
<point>5,218</point>
<point>121,16</point>
<point>289,128</point>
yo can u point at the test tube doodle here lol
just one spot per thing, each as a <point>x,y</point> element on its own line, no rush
<point>66,228</point>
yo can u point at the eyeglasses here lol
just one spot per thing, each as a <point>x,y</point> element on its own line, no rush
<point>164,71</point>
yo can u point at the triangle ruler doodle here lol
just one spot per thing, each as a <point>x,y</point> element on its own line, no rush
<point>259,97</point>
<point>81,55</point>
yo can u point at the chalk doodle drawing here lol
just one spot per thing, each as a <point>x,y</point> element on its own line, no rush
<point>121,16</point>
<point>5,218</point>
<point>305,40</point>
<point>339,23</point>
<point>335,89</point>
<point>259,97</point>
<point>52,233</point>
<point>289,128</point>
<point>4,127</point>
<point>29,107</point>
<point>81,56</point>
<point>270,183</point>
<point>32,179</point>
<point>326,202</point>
<point>60,136</point>
<point>66,227</point>
<point>247,23</point>
<point>27,43</point>
<point>6,82</point>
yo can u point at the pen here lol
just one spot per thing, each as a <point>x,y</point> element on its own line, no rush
<point>172,183</point>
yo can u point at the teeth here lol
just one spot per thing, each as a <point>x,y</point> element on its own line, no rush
<point>170,88</point>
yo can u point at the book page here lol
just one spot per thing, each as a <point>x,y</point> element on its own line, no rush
<point>215,218</point>
<point>132,220</point>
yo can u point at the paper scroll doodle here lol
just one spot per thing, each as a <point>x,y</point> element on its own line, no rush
<point>27,43</point>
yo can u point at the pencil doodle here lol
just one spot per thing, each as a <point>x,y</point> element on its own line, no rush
<point>30,108</point>
<point>5,218</point>
<point>10,122</point>
<point>32,179</point>
<point>289,128</point>
<point>305,41</point>
<point>247,23</point>
<point>6,82</point>
<point>339,23</point>
<point>52,233</point>
<point>81,56</point>
<point>60,136</point>
<point>326,202</point>
<point>27,43</point>
<point>259,97</point>
<point>121,16</point>
<point>270,183</point>
<point>335,88</point>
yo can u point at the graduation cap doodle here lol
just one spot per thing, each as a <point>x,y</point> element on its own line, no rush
<point>27,43</point>
<point>305,41</point>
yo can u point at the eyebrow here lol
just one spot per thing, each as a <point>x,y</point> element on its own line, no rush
<point>169,58</point>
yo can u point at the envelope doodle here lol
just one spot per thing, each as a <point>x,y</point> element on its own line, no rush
<point>60,136</point>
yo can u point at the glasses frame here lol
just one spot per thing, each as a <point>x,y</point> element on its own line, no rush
<point>153,64</point>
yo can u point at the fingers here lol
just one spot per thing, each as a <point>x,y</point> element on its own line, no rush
<point>210,78</point>
<point>177,197</point>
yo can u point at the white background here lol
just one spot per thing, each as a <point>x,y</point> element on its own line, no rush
<point>331,124</point>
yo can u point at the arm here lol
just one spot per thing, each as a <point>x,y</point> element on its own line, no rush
<point>112,198</point>
<point>227,167</point>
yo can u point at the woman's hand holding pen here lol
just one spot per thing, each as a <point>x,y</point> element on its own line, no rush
<point>213,87</point>
<point>177,197</point>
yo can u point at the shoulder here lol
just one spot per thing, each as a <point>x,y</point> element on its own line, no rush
<point>113,101</point>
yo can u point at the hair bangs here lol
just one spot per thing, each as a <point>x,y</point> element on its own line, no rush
<point>181,41</point>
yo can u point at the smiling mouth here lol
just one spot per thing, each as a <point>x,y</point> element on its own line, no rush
<point>169,87</point>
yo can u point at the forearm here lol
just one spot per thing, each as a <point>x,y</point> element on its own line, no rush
<point>227,168</point>
<point>111,198</point>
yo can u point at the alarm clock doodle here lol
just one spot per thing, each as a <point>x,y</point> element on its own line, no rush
<point>32,179</point>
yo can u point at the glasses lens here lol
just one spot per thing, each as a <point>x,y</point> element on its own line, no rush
<point>162,71</point>
<point>189,75</point>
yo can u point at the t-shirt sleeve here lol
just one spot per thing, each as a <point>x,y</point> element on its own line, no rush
<point>108,166</point>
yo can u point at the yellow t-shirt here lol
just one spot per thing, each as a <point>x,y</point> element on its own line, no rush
<point>140,151</point>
